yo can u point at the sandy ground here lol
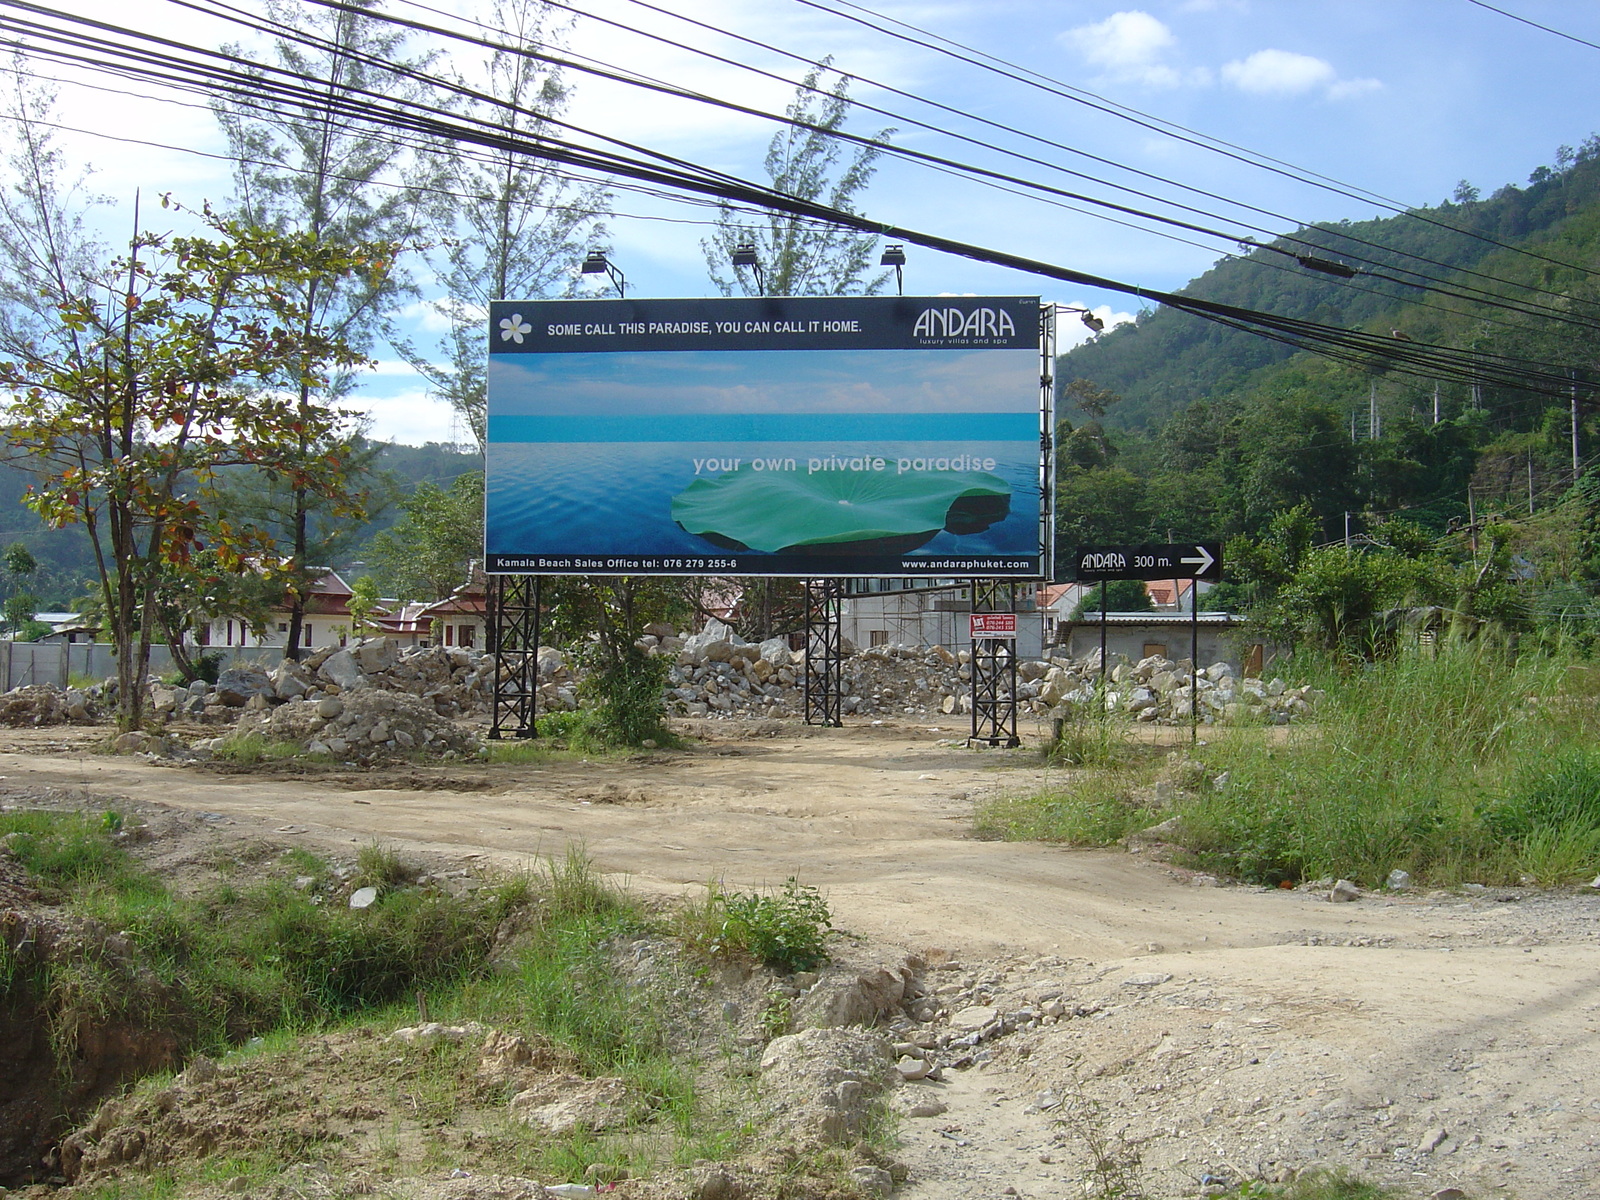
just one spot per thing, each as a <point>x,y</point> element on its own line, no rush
<point>1447,1039</point>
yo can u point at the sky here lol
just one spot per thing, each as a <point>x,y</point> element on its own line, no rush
<point>1392,100</point>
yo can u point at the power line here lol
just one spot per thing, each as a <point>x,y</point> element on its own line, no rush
<point>1546,28</point>
<point>1045,83</point>
<point>253,84</point>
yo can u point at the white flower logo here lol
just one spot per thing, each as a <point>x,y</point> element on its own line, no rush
<point>513,328</point>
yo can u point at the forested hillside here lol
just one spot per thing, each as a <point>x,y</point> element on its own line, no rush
<point>1168,359</point>
<point>65,559</point>
<point>1217,430</point>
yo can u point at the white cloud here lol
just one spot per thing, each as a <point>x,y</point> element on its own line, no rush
<point>1133,47</point>
<point>411,417</point>
<point>1285,73</point>
<point>1346,88</point>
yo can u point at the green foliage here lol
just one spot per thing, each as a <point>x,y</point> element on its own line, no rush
<point>624,701</point>
<point>427,552</point>
<point>238,961</point>
<point>1122,595</point>
<point>799,257</point>
<point>785,929</point>
<point>1093,809</point>
<point>1380,782</point>
<point>1315,1185</point>
<point>1559,792</point>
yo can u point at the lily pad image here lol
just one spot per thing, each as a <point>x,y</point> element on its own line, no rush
<point>839,512</point>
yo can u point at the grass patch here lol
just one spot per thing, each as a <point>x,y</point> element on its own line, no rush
<point>247,749</point>
<point>785,929</point>
<point>1316,1185</point>
<point>1093,809</point>
<point>1473,765</point>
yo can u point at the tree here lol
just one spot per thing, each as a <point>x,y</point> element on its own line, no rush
<point>507,226</point>
<point>1122,595</point>
<point>798,257</point>
<point>362,604</point>
<point>308,168</point>
<point>427,552</point>
<point>181,360</point>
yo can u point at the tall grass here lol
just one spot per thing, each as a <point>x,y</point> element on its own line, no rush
<point>1399,769</point>
<point>1470,765</point>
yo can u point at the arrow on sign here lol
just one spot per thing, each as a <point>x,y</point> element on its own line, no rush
<point>1203,562</point>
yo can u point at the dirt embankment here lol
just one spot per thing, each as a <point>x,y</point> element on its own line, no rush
<point>1422,1040</point>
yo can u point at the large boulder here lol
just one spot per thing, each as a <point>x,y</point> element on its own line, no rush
<point>341,669</point>
<point>237,686</point>
<point>375,654</point>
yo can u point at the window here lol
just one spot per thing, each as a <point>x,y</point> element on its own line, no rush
<point>1155,650</point>
<point>306,629</point>
<point>879,637</point>
<point>449,635</point>
<point>230,631</point>
<point>467,637</point>
<point>283,627</point>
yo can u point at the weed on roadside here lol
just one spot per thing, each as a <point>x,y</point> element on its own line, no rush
<point>1315,1185</point>
<point>784,929</point>
<point>1090,809</point>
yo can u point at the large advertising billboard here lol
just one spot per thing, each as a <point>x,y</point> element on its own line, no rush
<point>805,436</point>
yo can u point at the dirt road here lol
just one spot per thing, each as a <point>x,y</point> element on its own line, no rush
<point>1434,1040</point>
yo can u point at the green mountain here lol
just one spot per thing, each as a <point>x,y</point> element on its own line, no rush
<point>1175,428</point>
<point>1169,359</point>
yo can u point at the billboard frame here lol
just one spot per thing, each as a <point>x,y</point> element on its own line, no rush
<point>829,566</point>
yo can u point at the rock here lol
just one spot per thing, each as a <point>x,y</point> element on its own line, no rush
<point>1429,1141</point>
<point>363,897</point>
<point>717,1181</point>
<point>1448,1193</point>
<point>872,1181</point>
<point>975,1017</point>
<point>432,1032</point>
<point>1148,979</point>
<point>237,685</point>
<point>1344,892</point>
<point>913,1068</point>
<point>1399,880</point>
<point>330,707</point>
<point>375,654</point>
<point>775,651</point>
<point>131,743</point>
<point>918,1105</point>
<point>341,669</point>
<point>565,1103</point>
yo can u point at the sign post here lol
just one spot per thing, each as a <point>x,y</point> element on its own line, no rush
<point>1193,561</point>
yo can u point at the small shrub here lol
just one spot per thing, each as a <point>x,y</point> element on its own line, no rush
<point>247,749</point>
<point>1094,810</point>
<point>380,867</point>
<point>626,704</point>
<point>784,929</point>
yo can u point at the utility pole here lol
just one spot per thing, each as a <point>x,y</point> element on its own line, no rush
<point>1530,483</point>
<point>1347,529</point>
<point>1372,410</point>
<point>1435,401</point>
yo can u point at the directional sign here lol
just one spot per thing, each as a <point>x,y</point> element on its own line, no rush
<point>1191,561</point>
<point>986,626</point>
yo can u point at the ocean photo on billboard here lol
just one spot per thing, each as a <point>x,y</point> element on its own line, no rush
<point>588,451</point>
<point>610,498</point>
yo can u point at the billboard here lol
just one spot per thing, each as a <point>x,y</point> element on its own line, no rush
<point>804,436</point>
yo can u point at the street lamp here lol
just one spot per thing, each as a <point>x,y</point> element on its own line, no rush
<point>895,256</point>
<point>598,264</point>
<point>744,255</point>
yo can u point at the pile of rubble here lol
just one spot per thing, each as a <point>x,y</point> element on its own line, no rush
<point>1156,690</point>
<point>360,724</point>
<point>46,704</point>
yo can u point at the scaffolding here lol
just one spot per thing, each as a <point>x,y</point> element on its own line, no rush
<point>824,677</point>
<point>994,670</point>
<point>513,639</point>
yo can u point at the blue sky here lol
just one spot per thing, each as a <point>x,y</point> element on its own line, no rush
<point>1401,99</point>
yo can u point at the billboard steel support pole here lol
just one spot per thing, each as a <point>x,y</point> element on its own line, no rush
<point>994,670</point>
<point>824,678</point>
<point>514,602</point>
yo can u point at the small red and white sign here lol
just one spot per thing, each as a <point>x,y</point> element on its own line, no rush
<point>993,625</point>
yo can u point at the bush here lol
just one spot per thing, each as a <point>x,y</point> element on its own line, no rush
<point>1558,794</point>
<point>783,929</point>
<point>626,702</point>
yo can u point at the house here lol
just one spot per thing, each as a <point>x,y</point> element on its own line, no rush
<point>461,619</point>
<point>326,620</point>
